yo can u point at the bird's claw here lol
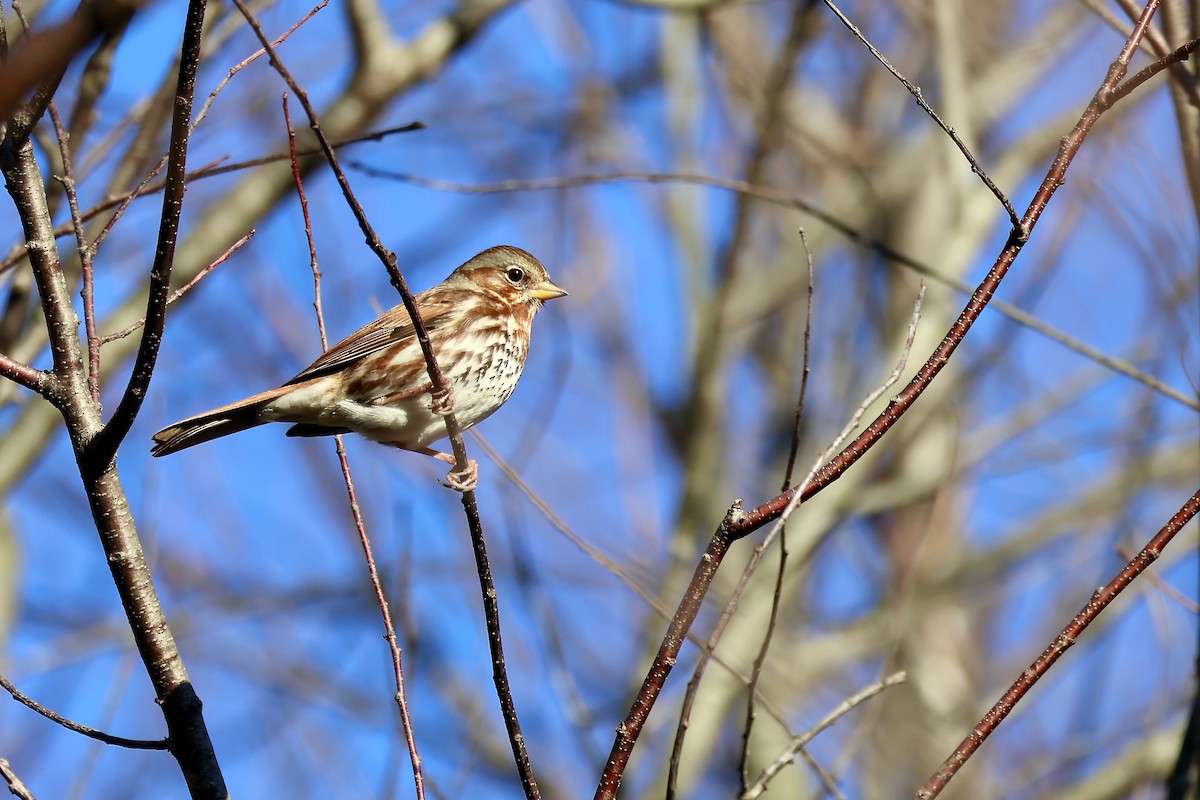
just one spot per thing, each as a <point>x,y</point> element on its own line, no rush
<point>442,403</point>
<point>463,480</point>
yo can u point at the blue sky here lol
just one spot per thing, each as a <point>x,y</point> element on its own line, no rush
<point>250,539</point>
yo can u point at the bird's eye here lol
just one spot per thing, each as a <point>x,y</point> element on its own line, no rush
<point>515,274</point>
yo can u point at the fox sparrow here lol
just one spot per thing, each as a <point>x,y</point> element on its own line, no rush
<point>374,382</point>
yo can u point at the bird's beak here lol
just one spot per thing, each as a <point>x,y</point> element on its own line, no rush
<point>546,291</point>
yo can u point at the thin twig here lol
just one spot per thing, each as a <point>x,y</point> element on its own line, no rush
<point>85,251</point>
<point>797,744</point>
<point>650,691</point>
<point>442,396</point>
<point>389,630</point>
<point>777,593</point>
<point>91,733</point>
<point>789,200</point>
<point>1178,55</point>
<point>247,61</point>
<point>182,290</point>
<point>1069,635</point>
<point>1185,602</point>
<point>1018,228</point>
<point>1185,80</point>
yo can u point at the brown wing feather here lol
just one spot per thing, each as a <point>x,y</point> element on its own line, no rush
<point>392,327</point>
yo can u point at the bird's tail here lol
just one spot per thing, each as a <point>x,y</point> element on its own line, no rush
<point>216,423</point>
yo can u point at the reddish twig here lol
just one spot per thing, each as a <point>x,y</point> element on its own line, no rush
<point>440,389</point>
<point>182,290</point>
<point>1170,591</point>
<point>91,733</point>
<point>664,661</point>
<point>738,523</point>
<point>389,630</point>
<point>1178,55</point>
<point>1100,600</point>
<point>250,59</point>
<point>777,592</point>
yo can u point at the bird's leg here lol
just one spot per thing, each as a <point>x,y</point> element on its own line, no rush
<point>388,399</point>
<point>461,481</point>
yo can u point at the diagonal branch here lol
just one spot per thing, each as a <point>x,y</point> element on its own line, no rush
<point>91,733</point>
<point>738,523</point>
<point>1055,177</point>
<point>1098,602</point>
<point>1019,230</point>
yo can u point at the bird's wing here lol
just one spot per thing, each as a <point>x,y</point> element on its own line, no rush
<point>393,327</point>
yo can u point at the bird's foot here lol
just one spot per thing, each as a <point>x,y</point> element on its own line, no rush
<point>442,403</point>
<point>464,480</point>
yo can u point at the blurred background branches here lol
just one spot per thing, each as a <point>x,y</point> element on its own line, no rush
<point>662,389</point>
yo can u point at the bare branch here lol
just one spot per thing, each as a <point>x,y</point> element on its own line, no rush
<point>1070,634</point>
<point>91,733</point>
<point>1019,230</point>
<point>846,706</point>
<point>15,786</point>
<point>101,451</point>
<point>442,398</point>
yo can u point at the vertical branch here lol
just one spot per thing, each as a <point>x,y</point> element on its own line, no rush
<point>102,450</point>
<point>85,250</point>
<point>441,394</point>
<point>67,389</point>
<point>389,629</point>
